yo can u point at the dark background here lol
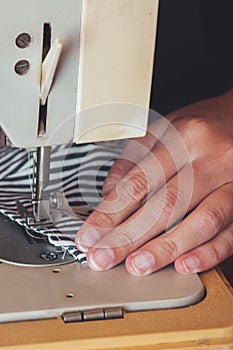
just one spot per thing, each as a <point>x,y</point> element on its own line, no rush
<point>194,52</point>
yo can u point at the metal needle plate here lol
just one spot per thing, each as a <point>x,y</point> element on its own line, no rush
<point>19,248</point>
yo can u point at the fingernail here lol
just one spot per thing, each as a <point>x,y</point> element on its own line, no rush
<point>143,262</point>
<point>191,264</point>
<point>87,239</point>
<point>102,259</point>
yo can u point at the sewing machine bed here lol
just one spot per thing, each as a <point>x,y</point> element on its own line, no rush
<point>32,293</point>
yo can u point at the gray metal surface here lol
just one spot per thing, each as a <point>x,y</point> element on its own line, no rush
<point>17,246</point>
<point>29,293</point>
<point>20,82</point>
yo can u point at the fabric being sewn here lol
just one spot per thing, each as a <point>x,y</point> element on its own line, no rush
<point>77,172</point>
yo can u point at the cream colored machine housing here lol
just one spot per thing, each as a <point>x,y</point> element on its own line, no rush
<point>101,88</point>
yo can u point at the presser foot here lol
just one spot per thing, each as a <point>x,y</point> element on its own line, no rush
<point>40,214</point>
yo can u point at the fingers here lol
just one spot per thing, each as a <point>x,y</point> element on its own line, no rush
<point>208,255</point>
<point>202,240</point>
<point>128,195</point>
<point>140,207</point>
<point>135,150</point>
<point>147,192</point>
<point>140,182</point>
<point>145,223</point>
<point>124,206</point>
<point>119,169</point>
<point>206,221</point>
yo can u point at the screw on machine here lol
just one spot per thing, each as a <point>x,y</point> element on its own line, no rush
<point>48,256</point>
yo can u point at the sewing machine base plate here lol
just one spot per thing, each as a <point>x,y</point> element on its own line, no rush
<point>32,293</point>
<point>19,247</point>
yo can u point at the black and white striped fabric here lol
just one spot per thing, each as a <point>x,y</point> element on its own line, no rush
<point>77,172</point>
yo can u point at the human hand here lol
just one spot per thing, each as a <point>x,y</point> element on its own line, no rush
<point>182,168</point>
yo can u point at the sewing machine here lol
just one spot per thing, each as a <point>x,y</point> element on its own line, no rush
<point>80,71</point>
<point>83,80</point>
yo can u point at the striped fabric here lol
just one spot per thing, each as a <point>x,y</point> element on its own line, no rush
<point>77,173</point>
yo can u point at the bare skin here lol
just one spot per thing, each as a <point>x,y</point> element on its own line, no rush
<point>182,168</point>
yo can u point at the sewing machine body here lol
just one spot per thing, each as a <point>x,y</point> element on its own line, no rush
<point>101,87</point>
<point>76,71</point>
<point>100,91</point>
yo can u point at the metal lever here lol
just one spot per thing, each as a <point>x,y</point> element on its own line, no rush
<point>49,67</point>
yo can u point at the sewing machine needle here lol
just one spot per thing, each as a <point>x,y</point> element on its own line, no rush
<point>42,171</point>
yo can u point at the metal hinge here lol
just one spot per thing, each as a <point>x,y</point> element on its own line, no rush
<point>93,315</point>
